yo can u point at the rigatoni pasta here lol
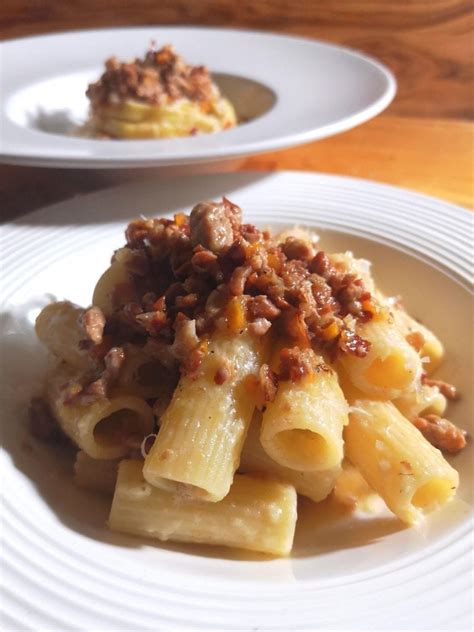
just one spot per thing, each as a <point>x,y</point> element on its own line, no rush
<point>165,98</point>
<point>114,288</point>
<point>411,476</point>
<point>421,400</point>
<point>221,371</point>
<point>428,345</point>
<point>316,485</point>
<point>104,429</point>
<point>391,366</point>
<point>145,376</point>
<point>302,426</point>
<point>60,329</point>
<point>203,429</point>
<point>257,513</point>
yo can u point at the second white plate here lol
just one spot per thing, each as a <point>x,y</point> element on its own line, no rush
<point>293,90</point>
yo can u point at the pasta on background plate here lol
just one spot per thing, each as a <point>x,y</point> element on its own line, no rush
<point>222,370</point>
<point>159,96</point>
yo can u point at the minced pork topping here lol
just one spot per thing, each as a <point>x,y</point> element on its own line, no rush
<point>208,271</point>
<point>160,77</point>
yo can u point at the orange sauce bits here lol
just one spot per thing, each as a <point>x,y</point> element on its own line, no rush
<point>331,331</point>
<point>236,317</point>
<point>180,219</point>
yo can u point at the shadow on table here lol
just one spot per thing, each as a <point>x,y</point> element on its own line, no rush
<point>84,196</point>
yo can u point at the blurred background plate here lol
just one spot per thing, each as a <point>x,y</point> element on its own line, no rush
<point>64,570</point>
<point>290,90</point>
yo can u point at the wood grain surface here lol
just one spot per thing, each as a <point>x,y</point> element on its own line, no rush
<point>427,43</point>
<point>415,161</point>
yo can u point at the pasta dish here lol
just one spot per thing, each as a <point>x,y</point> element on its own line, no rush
<point>222,371</point>
<point>159,96</point>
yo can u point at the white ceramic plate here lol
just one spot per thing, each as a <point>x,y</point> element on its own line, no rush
<point>294,90</point>
<point>63,570</point>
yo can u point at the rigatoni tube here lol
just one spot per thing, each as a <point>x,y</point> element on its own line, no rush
<point>203,429</point>
<point>257,514</point>
<point>59,328</point>
<point>429,345</point>
<point>422,400</point>
<point>391,366</point>
<point>396,460</point>
<point>302,427</point>
<point>145,376</point>
<point>314,485</point>
<point>106,428</point>
<point>115,287</point>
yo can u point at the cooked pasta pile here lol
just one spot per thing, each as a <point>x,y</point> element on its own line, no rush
<point>159,96</point>
<point>221,371</point>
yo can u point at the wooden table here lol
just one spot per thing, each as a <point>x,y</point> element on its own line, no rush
<point>424,141</point>
<point>432,156</point>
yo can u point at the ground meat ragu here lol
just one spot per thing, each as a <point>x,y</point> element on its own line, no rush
<point>259,326</point>
<point>207,272</point>
<point>296,364</point>
<point>295,248</point>
<point>442,433</point>
<point>351,343</point>
<point>214,225</point>
<point>223,372</point>
<point>204,262</point>
<point>238,280</point>
<point>261,307</point>
<point>93,322</point>
<point>99,388</point>
<point>446,389</point>
<point>347,289</point>
<point>185,273</point>
<point>161,76</point>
